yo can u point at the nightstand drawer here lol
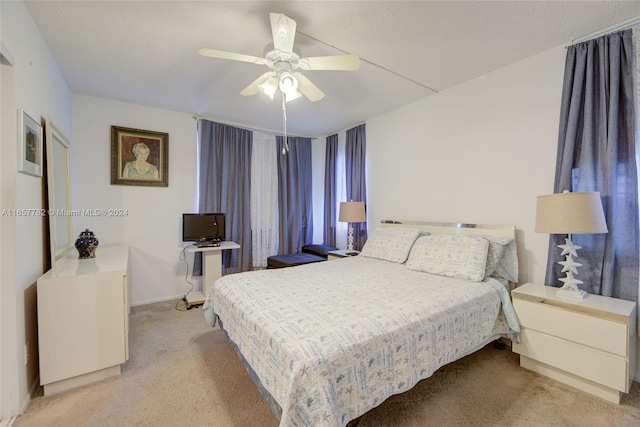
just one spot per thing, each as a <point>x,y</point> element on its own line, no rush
<point>607,335</point>
<point>600,367</point>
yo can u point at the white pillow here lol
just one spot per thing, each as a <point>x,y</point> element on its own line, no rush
<point>450,255</point>
<point>390,243</point>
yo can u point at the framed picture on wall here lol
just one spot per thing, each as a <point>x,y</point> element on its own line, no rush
<point>139,157</point>
<point>29,145</point>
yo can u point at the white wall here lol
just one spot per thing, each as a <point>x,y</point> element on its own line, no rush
<point>39,88</point>
<point>477,153</point>
<point>8,291</point>
<point>152,227</point>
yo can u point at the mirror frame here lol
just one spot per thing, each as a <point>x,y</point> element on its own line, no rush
<point>60,213</point>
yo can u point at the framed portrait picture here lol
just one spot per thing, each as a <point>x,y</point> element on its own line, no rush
<point>29,145</point>
<point>139,157</point>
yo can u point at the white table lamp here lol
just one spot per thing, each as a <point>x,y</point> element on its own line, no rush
<point>351,212</point>
<point>570,213</point>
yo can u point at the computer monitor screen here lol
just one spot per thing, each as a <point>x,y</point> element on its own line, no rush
<point>202,227</point>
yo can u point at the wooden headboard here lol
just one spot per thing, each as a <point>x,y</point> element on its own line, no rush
<point>453,228</point>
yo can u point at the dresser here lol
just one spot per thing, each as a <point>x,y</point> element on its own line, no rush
<point>83,319</point>
<point>589,344</point>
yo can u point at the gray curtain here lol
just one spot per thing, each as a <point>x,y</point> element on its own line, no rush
<point>597,152</point>
<point>294,194</point>
<point>355,162</point>
<point>224,185</point>
<point>330,190</point>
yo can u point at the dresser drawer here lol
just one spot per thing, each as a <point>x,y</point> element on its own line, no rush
<point>600,367</point>
<point>608,335</point>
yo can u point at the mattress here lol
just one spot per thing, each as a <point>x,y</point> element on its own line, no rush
<point>330,341</point>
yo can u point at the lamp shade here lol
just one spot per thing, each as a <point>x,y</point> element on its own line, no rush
<point>570,213</point>
<point>352,212</point>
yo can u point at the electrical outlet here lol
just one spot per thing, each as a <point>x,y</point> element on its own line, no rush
<point>27,354</point>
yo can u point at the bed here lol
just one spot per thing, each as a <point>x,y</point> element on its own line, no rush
<point>327,342</point>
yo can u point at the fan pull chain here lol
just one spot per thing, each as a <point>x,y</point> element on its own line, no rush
<point>285,149</point>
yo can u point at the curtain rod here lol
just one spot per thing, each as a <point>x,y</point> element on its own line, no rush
<point>271,132</point>
<point>253,129</point>
<point>345,129</point>
<point>612,29</point>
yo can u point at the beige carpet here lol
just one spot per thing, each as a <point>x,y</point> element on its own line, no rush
<point>184,373</point>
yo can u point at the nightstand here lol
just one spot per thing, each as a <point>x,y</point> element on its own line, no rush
<point>341,253</point>
<point>589,344</point>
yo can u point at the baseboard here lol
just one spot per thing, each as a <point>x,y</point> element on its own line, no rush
<point>155,300</point>
<point>33,389</point>
<point>25,402</point>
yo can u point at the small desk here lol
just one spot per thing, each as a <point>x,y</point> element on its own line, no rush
<point>211,269</point>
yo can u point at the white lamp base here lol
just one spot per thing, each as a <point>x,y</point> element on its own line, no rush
<point>570,288</point>
<point>350,238</point>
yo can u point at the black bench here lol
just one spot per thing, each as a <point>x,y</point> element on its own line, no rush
<point>309,254</point>
<point>320,250</point>
<point>291,260</point>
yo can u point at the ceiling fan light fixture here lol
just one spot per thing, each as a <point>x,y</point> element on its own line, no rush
<point>283,58</point>
<point>288,83</point>
<point>270,87</point>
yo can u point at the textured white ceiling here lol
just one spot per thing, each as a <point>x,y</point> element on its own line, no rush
<point>146,51</point>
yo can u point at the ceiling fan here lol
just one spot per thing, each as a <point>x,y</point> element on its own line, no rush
<point>285,62</point>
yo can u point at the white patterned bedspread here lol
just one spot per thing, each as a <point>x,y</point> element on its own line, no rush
<point>334,339</point>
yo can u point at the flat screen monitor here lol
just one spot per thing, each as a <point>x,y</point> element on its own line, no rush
<point>203,227</point>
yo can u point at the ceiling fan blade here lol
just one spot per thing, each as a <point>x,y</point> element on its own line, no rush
<point>213,53</point>
<point>292,96</point>
<point>338,62</point>
<point>254,87</point>
<point>308,89</point>
<point>283,30</point>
